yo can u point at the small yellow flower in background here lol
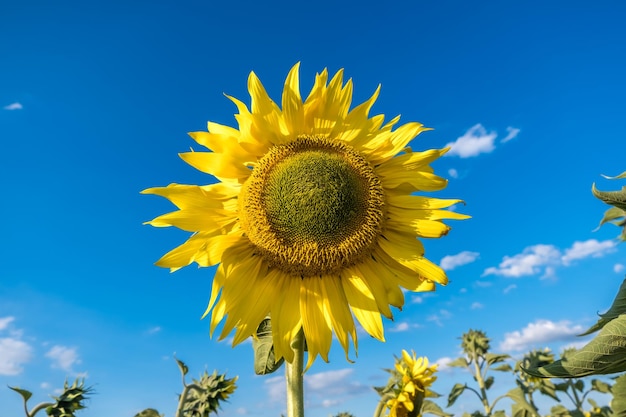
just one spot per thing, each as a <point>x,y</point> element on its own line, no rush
<point>415,377</point>
<point>313,220</point>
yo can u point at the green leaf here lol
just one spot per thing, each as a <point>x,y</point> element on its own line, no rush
<point>489,382</point>
<point>618,403</point>
<point>604,354</point>
<point>503,368</point>
<point>611,214</point>
<point>499,413</point>
<point>456,391</point>
<point>620,176</point>
<point>181,365</point>
<point>614,198</point>
<point>459,363</point>
<point>432,408</point>
<point>263,345</point>
<point>549,389</point>
<point>24,393</point>
<point>618,307</point>
<point>495,358</point>
<point>580,385</point>
<point>600,386</point>
<point>517,395</point>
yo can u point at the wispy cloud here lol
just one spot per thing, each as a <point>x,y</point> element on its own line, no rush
<point>439,317</point>
<point>450,262</point>
<point>14,352</point>
<point>153,330</point>
<point>442,364</point>
<point>529,262</point>
<point>509,288</point>
<point>538,334</point>
<point>453,173</point>
<point>63,357</point>
<point>617,268</point>
<point>512,133</point>
<point>403,326</point>
<point>545,258</point>
<point>477,140</point>
<point>589,248</point>
<point>13,106</point>
<point>474,142</point>
<point>476,305</point>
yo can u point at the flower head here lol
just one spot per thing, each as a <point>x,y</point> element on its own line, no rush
<point>413,378</point>
<point>313,218</point>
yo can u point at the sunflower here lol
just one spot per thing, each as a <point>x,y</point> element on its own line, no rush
<point>313,220</point>
<point>415,377</point>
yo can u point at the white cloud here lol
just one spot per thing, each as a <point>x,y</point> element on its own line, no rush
<point>474,142</point>
<point>63,357</point>
<point>512,133</point>
<point>529,262</point>
<point>509,288</point>
<point>476,305</point>
<point>540,332</point>
<point>5,321</point>
<point>453,173</point>
<point>321,380</point>
<point>14,353</point>
<point>153,330</point>
<point>45,385</point>
<point>617,268</point>
<point>403,326</point>
<point>14,106</point>
<point>483,284</point>
<point>438,318</point>
<point>450,262</point>
<point>242,411</point>
<point>275,387</point>
<point>417,299</point>
<point>442,364</point>
<point>591,247</point>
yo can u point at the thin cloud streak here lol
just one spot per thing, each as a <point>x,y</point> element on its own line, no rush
<point>13,106</point>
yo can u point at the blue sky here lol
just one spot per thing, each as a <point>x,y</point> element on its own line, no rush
<point>97,98</point>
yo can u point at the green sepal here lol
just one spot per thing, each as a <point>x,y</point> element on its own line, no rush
<point>459,363</point>
<point>24,393</point>
<point>604,354</point>
<point>432,408</point>
<point>264,358</point>
<point>456,391</point>
<point>548,388</point>
<point>618,403</point>
<point>618,307</point>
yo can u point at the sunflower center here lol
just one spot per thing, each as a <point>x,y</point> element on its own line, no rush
<point>312,207</point>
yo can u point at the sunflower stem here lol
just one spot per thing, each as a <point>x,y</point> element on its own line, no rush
<point>294,374</point>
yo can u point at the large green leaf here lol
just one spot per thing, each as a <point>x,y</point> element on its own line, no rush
<point>429,407</point>
<point>263,345</point>
<point>495,358</point>
<point>618,403</point>
<point>614,198</point>
<point>600,386</point>
<point>456,391</point>
<point>604,354</point>
<point>505,367</point>
<point>459,363</point>
<point>618,307</point>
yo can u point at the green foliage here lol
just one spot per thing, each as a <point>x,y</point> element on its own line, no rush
<point>617,199</point>
<point>263,345</point>
<point>618,404</point>
<point>617,308</point>
<point>344,414</point>
<point>203,396</point>
<point>24,393</point>
<point>71,400</point>
<point>149,412</point>
<point>475,343</point>
<point>429,407</point>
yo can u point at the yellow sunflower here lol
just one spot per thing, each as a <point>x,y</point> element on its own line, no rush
<point>313,220</point>
<point>416,376</point>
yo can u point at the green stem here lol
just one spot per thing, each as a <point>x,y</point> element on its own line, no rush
<point>381,405</point>
<point>294,374</point>
<point>37,408</point>
<point>481,385</point>
<point>183,397</point>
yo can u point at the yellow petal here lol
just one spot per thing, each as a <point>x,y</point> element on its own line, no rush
<point>293,108</point>
<point>316,328</point>
<point>216,164</point>
<point>336,306</point>
<point>285,313</point>
<point>363,304</point>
